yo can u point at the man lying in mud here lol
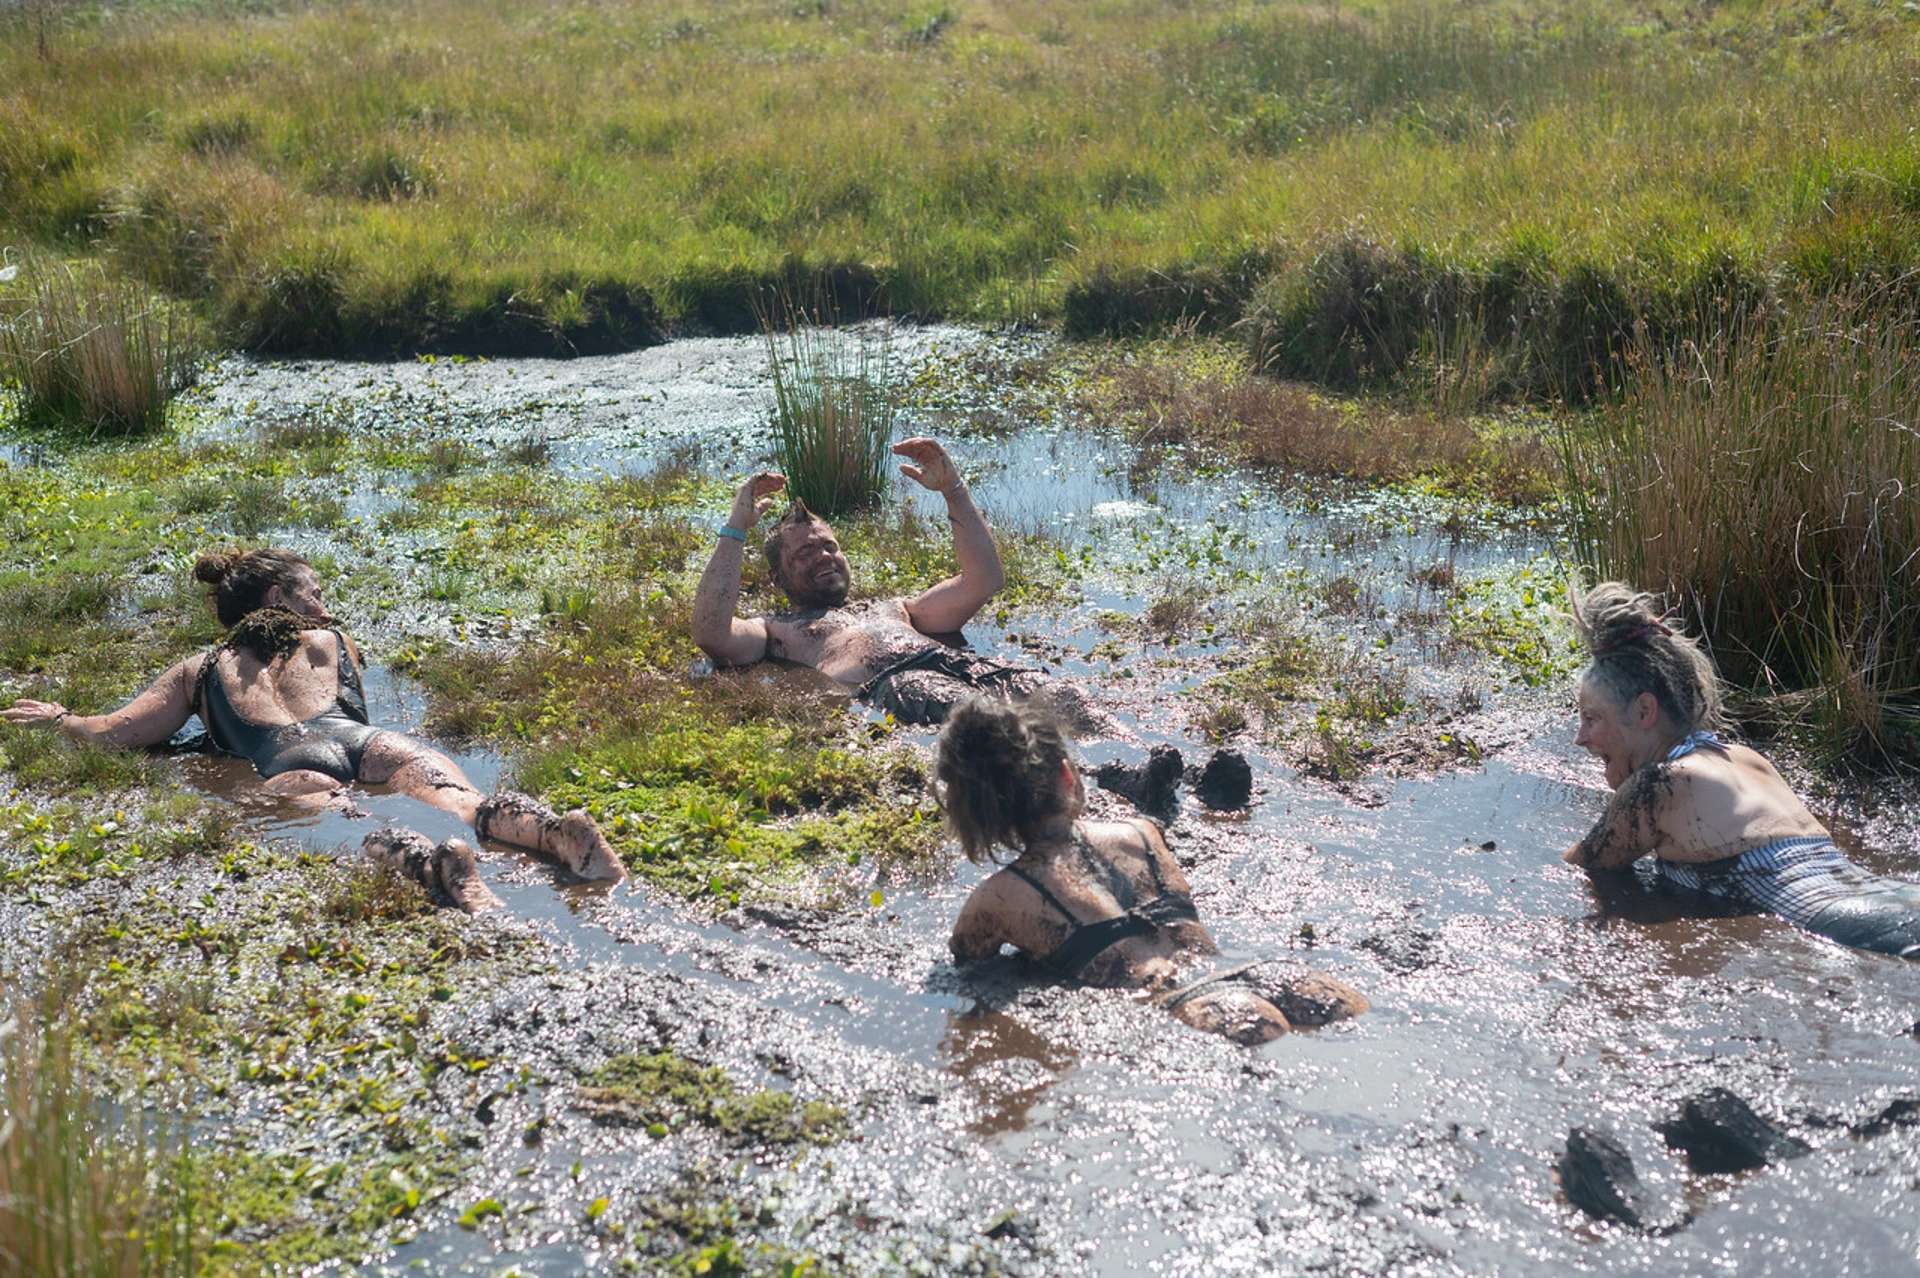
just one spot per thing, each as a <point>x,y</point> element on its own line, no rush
<point>1715,817</point>
<point>888,650</point>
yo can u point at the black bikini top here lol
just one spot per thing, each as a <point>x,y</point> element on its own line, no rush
<point>1089,941</point>
<point>231,732</point>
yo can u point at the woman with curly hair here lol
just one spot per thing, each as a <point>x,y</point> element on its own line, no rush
<point>282,690</point>
<point>1715,817</point>
<point>1099,902</point>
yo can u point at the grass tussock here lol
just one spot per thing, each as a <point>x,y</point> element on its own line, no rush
<point>88,1187</point>
<point>94,355</point>
<point>832,415</point>
<point>1488,195</point>
<point>1284,426</point>
<point>1766,478</point>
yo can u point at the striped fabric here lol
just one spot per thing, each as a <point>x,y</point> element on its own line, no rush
<point>1794,878</point>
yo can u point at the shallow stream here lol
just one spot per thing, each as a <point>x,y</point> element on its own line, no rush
<point>1510,1002</point>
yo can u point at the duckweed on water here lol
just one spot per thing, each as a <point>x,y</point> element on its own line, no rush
<point>663,1091</point>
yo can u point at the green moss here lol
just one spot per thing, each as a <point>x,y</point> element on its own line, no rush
<point>666,1091</point>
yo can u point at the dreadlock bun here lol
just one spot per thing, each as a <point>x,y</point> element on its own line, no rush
<point>1634,647</point>
<point>240,579</point>
<point>997,772</point>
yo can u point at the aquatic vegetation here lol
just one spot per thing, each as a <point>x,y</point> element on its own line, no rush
<point>1172,397</point>
<point>1764,477</point>
<point>663,1091</point>
<point>93,355</point>
<point>90,1186</point>
<point>832,413</point>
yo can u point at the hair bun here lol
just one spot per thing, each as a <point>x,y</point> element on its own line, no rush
<point>214,569</point>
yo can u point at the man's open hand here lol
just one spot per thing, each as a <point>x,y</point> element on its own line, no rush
<point>932,467</point>
<point>753,498</point>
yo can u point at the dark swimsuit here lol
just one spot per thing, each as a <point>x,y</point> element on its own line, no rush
<point>1088,941</point>
<point>331,742</point>
<point>923,686</point>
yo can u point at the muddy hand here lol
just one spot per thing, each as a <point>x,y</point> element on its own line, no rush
<point>933,469</point>
<point>753,498</point>
<point>28,712</point>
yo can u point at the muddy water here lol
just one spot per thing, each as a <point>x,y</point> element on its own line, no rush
<point>1511,1001</point>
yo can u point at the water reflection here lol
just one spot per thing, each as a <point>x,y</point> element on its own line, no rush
<point>1009,1065</point>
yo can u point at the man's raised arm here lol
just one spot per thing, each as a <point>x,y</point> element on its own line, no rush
<point>951,604</point>
<point>728,639</point>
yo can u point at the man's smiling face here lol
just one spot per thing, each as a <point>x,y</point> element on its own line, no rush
<point>813,570</point>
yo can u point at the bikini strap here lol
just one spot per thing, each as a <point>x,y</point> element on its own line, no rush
<point>1045,895</point>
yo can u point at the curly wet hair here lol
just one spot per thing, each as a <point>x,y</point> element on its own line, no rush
<point>1635,646</point>
<point>240,579</point>
<point>996,772</point>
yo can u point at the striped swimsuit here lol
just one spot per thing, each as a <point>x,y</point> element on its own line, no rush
<point>1808,882</point>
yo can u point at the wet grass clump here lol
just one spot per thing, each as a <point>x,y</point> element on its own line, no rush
<point>92,355</point>
<point>93,1184</point>
<point>1765,479</point>
<point>1188,164</point>
<point>832,415</point>
<point>663,1092</point>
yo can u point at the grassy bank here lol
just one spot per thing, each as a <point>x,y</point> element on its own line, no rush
<point>1486,195</point>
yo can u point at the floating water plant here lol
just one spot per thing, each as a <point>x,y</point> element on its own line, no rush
<point>832,415</point>
<point>94,355</point>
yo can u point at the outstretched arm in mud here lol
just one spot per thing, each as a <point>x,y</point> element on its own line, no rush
<point>147,720</point>
<point>951,604</point>
<point>1630,828</point>
<point>729,639</point>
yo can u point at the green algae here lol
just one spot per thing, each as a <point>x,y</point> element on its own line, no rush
<point>663,1091</point>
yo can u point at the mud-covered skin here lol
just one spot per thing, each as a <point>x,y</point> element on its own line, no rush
<point>1630,828</point>
<point>851,644</point>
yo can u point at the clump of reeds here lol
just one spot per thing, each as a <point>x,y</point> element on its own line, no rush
<point>94,354</point>
<point>86,1187</point>
<point>1767,476</point>
<point>832,415</point>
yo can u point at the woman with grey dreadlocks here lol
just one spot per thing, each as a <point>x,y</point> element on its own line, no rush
<point>1716,817</point>
<point>282,690</point>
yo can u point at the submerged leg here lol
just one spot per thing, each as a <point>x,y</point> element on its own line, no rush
<point>314,789</point>
<point>449,871</point>
<point>573,839</point>
<point>423,773</point>
<point>1235,1012</point>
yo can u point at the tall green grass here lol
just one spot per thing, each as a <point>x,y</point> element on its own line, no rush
<point>94,354</point>
<point>832,413</point>
<point>1768,475</point>
<point>341,174</point>
<point>87,1189</point>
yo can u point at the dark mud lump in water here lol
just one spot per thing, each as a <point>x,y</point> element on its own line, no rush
<point>1597,1176</point>
<point>1226,783</point>
<point>1719,1132</point>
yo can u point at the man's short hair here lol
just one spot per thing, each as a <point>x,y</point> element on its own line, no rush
<point>797,516</point>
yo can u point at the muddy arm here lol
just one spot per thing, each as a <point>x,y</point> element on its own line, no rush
<point>978,933</point>
<point>1629,828</point>
<point>147,720</point>
<point>729,639</point>
<point>951,604</point>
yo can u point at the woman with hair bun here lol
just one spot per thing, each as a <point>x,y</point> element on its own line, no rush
<point>282,690</point>
<point>1716,817</point>
<point>1099,902</point>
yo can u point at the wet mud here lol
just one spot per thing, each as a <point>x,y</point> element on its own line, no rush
<point>995,1123</point>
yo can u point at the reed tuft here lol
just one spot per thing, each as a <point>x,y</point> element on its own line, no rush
<point>832,415</point>
<point>94,355</point>
<point>87,1187</point>
<point>1767,476</point>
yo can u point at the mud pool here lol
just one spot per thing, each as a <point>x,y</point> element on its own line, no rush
<point>1000,1124</point>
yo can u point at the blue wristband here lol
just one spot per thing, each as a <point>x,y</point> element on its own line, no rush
<point>728,530</point>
